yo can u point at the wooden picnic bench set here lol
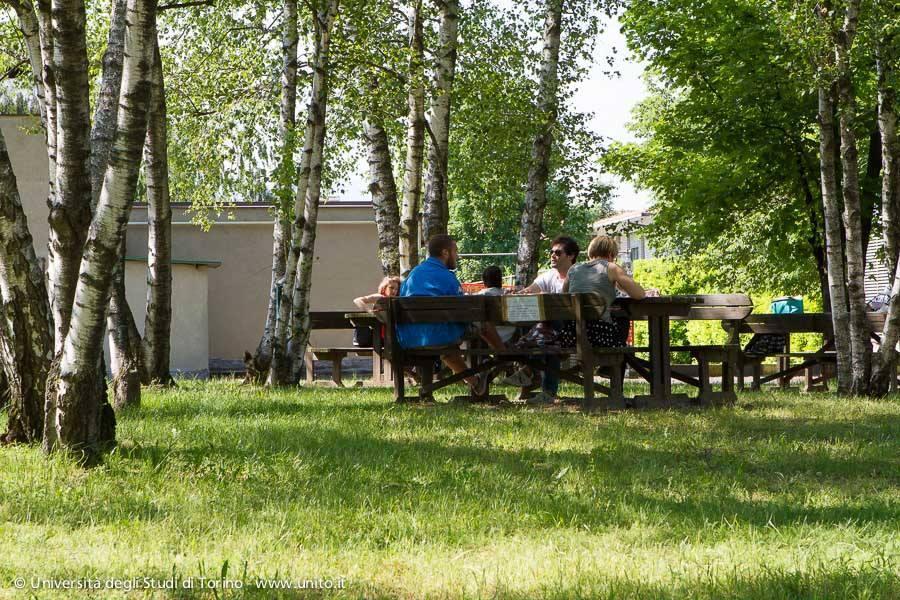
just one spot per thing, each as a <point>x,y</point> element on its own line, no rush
<point>391,362</point>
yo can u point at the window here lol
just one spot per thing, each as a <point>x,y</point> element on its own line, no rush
<point>635,254</point>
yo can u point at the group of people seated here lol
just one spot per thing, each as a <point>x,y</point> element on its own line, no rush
<point>435,277</point>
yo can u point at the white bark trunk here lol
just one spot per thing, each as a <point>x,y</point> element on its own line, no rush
<point>834,246</point>
<point>26,336</point>
<point>436,209</point>
<point>281,231</point>
<point>883,361</point>
<point>384,195</point>
<point>74,420</point>
<point>415,145</point>
<point>156,346</point>
<point>324,20</point>
<point>532,221</point>
<point>70,212</point>
<point>28,24</point>
<point>860,346</point>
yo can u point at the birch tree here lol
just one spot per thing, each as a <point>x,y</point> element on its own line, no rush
<point>860,345</point>
<point>886,62</point>
<point>383,190</point>
<point>323,21</point>
<point>26,337</point>
<point>281,232</point>
<point>415,144</point>
<point>436,211</point>
<point>75,418</point>
<point>156,345</point>
<point>548,102</point>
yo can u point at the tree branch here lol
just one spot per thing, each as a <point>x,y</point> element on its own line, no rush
<point>185,4</point>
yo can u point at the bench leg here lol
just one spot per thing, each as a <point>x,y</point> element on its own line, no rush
<point>705,394</point>
<point>757,374</point>
<point>336,375</point>
<point>728,369</point>
<point>588,375</point>
<point>310,364</point>
<point>426,374</point>
<point>399,381</point>
<point>616,366</point>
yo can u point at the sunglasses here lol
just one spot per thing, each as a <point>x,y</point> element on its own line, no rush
<point>556,253</point>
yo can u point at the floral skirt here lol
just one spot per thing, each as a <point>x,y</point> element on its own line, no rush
<point>600,334</point>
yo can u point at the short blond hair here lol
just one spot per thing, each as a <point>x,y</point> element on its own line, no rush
<point>603,246</point>
<point>386,283</point>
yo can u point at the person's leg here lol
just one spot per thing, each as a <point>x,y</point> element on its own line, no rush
<point>457,364</point>
<point>491,337</point>
<point>550,376</point>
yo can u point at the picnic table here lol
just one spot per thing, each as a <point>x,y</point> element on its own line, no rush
<point>817,365</point>
<point>658,312</point>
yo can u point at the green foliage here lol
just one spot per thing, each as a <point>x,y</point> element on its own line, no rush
<point>695,275</point>
<point>495,121</point>
<point>782,496</point>
<point>728,138</point>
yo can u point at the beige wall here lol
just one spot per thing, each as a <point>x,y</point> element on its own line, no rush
<point>25,143</point>
<point>346,264</point>
<point>189,352</point>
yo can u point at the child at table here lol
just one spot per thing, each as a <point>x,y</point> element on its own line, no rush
<point>388,288</point>
<point>492,278</point>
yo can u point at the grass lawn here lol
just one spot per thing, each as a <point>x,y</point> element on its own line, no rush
<point>782,496</point>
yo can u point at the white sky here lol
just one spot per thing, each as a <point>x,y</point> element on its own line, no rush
<point>610,98</point>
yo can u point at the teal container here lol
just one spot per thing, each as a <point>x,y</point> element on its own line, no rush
<point>786,305</point>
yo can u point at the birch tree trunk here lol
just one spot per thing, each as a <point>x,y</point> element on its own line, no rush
<point>124,349</point>
<point>384,194</point>
<point>74,419</point>
<point>324,20</point>
<point>531,225</point>
<point>834,246</point>
<point>436,210</point>
<point>30,28</point>
<point>48,78</point>
<point>26,336</point>
<point>281,230</point>
<point>70,210</point>
<point>861,347</point>
<point>123,361</point>
<point>415,145</point>
<point>884,359</point>
<point>156,346</point>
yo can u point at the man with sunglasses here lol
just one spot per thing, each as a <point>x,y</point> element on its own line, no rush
<point>563,254</point>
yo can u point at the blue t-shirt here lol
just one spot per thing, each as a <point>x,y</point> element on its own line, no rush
<point>430,278</point>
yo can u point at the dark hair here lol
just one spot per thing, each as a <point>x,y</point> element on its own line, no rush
<point>570,246</point>
<point>492,277</point>
<point>438,243</point>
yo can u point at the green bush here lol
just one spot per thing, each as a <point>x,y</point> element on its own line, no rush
<point>677,276</point>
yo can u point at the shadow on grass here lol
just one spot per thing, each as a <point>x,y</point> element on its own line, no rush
<point>673,483</point>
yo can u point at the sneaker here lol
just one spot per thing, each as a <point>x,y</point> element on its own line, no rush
<point>542,398</point>
<point>521,378</point>
<point>480,387</point>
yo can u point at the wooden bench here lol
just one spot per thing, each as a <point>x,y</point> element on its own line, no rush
<point>817,366</point>
<point>579,308</point>
<point>320,320</point>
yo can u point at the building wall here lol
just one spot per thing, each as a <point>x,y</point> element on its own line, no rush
<point>189,352</point>
<point>346,257</point>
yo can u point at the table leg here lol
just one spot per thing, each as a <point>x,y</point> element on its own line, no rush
<point>377,375</point>
<point>660,360</point>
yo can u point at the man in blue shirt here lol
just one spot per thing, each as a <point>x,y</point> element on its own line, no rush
<point>435,277</point>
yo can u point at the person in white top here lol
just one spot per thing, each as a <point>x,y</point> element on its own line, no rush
<point>563,254</point>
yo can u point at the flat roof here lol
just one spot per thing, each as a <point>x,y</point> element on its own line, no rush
<point>212,264</point>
